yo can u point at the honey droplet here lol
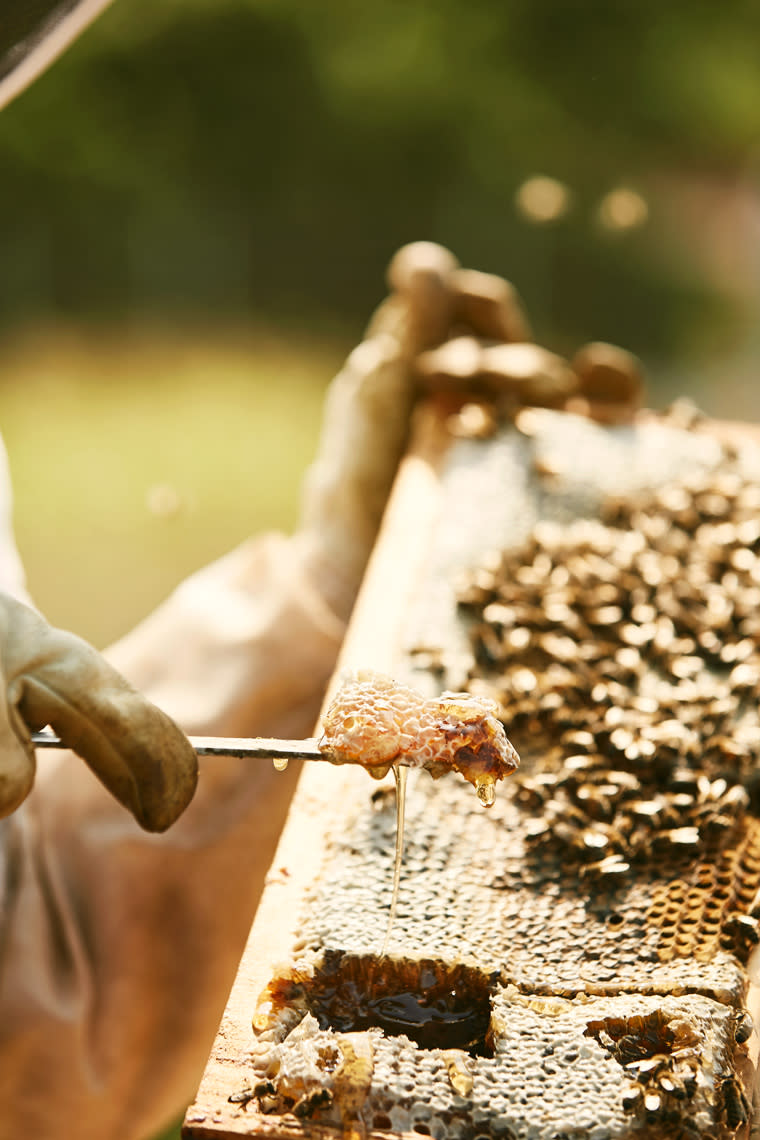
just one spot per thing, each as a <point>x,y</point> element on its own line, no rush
<point>280,763</point>
<point>485,787</point>
<point>461,1080</point>
<point>263,1016</point>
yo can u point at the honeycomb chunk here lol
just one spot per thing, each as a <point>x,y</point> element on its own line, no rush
<point>377,722</point>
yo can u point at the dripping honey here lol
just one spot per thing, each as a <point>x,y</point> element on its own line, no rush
<point>400,775</point>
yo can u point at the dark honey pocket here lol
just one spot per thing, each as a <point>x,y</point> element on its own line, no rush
<point>439,1006</point>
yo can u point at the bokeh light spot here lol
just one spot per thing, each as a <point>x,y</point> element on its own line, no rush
<point>541,199</point>
<point>623,209</point>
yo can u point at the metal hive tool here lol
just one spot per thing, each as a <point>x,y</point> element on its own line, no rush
<point>593,933</point>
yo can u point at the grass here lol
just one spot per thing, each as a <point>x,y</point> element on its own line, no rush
<point>139,457</point>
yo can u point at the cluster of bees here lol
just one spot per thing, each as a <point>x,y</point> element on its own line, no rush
<point>647,1049</point>
<point>624,655</point>
<point>662,1058</point>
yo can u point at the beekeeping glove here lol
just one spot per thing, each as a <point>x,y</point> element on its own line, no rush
<point>247,645</point>
<point>366,423</point>
<point>52,677</point>
<point>368,407</point>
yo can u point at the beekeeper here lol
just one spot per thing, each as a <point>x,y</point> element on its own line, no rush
<point>119,938</point>
<point>118,945</point>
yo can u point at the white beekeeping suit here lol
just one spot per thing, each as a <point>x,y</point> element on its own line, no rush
<point>118,945</point>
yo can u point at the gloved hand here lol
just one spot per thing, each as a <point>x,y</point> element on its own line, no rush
<point>246,646</point>
<point>52,677</point>
<point>366,423</point>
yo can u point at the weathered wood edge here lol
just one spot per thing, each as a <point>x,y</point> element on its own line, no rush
<point>372,641</point>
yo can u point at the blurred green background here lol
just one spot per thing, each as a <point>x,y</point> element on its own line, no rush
<point>198,202</point>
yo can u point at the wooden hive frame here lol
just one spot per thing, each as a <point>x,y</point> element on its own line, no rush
<point>373,640</point>
<point>378,638</point>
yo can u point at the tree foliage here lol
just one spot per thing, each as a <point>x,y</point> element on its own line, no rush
<point>242,157</point>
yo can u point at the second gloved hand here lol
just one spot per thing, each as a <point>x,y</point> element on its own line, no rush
<point>246,645</point>
<point>52,677</point>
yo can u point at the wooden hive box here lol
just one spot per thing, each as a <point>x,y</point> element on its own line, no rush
<point>600,916</point>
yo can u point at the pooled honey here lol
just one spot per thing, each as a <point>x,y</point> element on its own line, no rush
<point>436,1005</point>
